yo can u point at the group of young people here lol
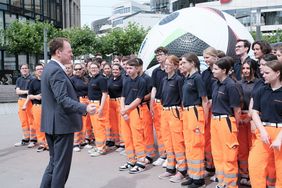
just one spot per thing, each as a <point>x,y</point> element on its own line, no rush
<point>226,119</point>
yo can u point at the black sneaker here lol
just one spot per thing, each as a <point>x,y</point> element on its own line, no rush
<point>41,148</point>
<point>188,181</point>
<point>197,184</point>
<point>110,143</point>
<point>126,166</point>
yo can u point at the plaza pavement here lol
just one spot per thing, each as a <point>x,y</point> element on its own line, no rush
<point>21,167</point>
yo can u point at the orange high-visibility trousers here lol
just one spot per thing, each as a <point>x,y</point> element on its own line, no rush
<point>108,126</point>
<point>128,140</point>
<point>115,118</point>
<point>265,162</point>
<point>26,119</point>
<point>138,137</point>
<point>36,111</point>
<point>99,127</point>
<point>194,136</point>
<point>208,152</point>
<point>225,149</point>
<point>245,142</point>
<point>148,131</point>
<point>86,131</point>
<point>172,134</point>
<point>157,107</point>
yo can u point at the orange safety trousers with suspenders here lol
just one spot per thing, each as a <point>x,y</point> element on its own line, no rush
<point>148,130</point>
<point>194,136</point>
<point>208,150</point>
<point>99,126</point>
<point>36,110</point>
<point>26,119</point>
<point>157,107</point>
<point>86,132</point>
<point>126,134</point>
<point>245,143</point>
<point>115,120</point>
<point>172,134</point>
<point>225,149</point>
<point>264,168</point>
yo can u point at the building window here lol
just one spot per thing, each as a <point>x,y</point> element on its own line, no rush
<point>9,61</point>
<point>37,6</point>
<point>16,3</point>
<point>117,22</point>
<point>9,18</point>
<point>4,1</point>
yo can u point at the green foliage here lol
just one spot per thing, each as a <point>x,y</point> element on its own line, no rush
<point>27,37</point>
<point>122,41</point>
<point>83,40</point>
<point>275,36</point>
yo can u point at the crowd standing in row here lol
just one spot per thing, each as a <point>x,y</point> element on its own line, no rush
<point>226,119</point>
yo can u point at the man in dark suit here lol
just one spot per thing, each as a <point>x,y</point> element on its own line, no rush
<point>61,114</point>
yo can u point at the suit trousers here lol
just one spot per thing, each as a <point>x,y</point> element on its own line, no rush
<point>60,151</point>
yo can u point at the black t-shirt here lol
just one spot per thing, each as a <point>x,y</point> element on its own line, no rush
<point>23,84</point>
<point>81,85</point>
<point>115,86</point>
<point>35,89</point>
<point>157,77</point>
<point>133,88</point>
<point>208,79</point>
<point>96,86</point>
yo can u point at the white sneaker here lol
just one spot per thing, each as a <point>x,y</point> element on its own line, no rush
<point>88,146</point>
<point>159,162</point>
<point>214,178</point>
<point>164,165</point>
<point>177,178</point>
<point>94,149</point>
<point>76,149</point>
<point>136,169</point>
<point>31,144</point>
<point>166,175</point>
<point>97,153</point>
<point>21,143</point>
<point>120,149</point>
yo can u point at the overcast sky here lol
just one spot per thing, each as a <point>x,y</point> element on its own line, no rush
<point>96,9</point>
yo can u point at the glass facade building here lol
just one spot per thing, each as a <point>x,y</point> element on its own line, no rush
<point>62,13</point>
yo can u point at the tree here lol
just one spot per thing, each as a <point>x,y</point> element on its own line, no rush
<point>83,40</point>
<point>27,37</point>
<point>122,41</point>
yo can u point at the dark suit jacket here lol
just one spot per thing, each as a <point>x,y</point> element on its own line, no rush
<point>61,111</point>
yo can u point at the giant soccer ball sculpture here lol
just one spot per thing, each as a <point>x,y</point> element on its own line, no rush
<point>193,30</point>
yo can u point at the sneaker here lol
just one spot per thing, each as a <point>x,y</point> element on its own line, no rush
<point>119,149</point>
<point>164,164</point>
<point>41,148</point>
<point>21,143</point>
<point>76,149</point>
<point>97,153</point>
<point>126,167</point>
<point>136,169</point>
<point>159,162</point>
<point>88,146</point>
<point>197,184</point>
<point>245,181</point>
<point>94,149</point>
<point>31,144</point>
<point>214,178</point>
<point>188,181</point>
<point>166,175</point>
<point>220,186</point>
<point>177,178</point>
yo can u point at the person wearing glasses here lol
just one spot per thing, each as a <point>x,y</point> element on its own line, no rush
<point>80,83</point>
<point>242,49</point>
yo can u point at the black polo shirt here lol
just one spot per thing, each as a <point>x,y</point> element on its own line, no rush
<point>96,86</point>
<point>23,84</point>
<point>259,84</point>
<point>238,66</point>
<point>157,77</point>
<point>81,85</point>
<point>208,79</point>
<point>115,86</point>
<point>149,82</point>
<point>193,90</point>
<point>35,89</point>
<point>247,88</point>
<point>133,88</point>
<point>269,104</point>
<point>225,97</point>
<point>172,91</point>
